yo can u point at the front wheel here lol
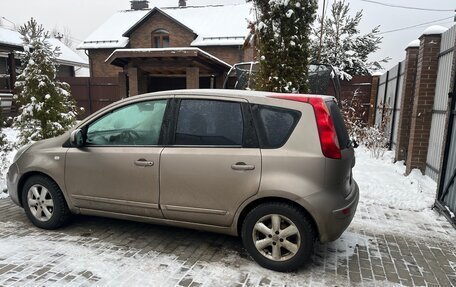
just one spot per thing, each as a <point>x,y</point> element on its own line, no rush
<point>44,203</point>
<point>278,236</point>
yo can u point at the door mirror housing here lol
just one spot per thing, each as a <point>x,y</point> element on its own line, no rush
<point>77,138</point>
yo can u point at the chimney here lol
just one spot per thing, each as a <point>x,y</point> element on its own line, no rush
<point>182,3</point>
<point>139,4</point>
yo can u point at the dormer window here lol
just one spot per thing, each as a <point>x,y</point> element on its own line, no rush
<point>160,38</point>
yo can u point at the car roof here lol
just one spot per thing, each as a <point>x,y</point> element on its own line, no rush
<point>242,94</point>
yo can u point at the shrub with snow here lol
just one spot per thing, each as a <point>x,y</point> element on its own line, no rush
<point>45,107</point>
<point>376,138</point>
<point>282,30</point>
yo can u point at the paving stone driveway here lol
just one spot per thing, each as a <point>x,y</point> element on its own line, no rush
<point>105,252</point>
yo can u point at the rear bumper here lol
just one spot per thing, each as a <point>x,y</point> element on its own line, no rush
<point>332,214</point>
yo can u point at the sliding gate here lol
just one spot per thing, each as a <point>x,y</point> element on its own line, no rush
<point>446,198</point>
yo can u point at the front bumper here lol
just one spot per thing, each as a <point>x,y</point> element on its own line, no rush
<point>12,182</point>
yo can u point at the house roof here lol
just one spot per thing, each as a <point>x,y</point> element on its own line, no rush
<point>119,55</point>
<point>214,25</point>
<point>10,38</point>
<point>67,56</point>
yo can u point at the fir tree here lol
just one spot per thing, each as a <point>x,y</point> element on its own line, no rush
<point>282,33</point>
<point>343,46</point>
<point>45,107</point>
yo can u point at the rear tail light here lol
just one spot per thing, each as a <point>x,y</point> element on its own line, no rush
<point>328,136</point>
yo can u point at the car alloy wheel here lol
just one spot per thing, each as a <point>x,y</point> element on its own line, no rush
<point>40,202</point>
<point>276,237</point>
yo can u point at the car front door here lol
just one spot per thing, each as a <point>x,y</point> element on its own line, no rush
<point>212,164</point>
<point>117,169</point>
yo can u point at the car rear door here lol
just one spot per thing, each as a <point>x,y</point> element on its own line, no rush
<point>213,162</point>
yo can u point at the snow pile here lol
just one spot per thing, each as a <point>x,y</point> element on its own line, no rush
<point>382,182</point>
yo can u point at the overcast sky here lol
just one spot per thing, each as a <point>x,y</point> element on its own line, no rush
<point>81,17</point>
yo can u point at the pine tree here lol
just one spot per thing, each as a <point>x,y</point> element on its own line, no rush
<point>343,46</point>
<point>282,33</point>
<point>45,107</point>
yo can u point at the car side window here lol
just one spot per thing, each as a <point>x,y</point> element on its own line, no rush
<point>135,124</point>
<point>209,122</point>
<point>275,125</point>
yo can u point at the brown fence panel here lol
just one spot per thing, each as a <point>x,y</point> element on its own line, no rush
<point>357,92</point>
<point>93,93</point>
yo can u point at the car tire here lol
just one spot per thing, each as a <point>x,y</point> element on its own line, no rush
<point>278,236</point>
<point>44,203</point>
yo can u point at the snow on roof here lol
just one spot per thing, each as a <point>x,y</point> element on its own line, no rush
<point>414,44</point>
<point>434,30</point>
<point>67,56</point>
<point>10,37</point>
<point>214,25</point>
<point>109,34</point>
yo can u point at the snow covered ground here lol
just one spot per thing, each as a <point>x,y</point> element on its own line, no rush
<point>387,197</point>
<point>391,206</point>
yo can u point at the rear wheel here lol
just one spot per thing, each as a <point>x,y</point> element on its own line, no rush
<point>278,236</point>
<point>44,203</point>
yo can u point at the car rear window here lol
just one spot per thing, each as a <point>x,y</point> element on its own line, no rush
<point>274,125</point>
<point>339,124</point>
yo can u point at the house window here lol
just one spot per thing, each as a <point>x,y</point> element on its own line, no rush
<point>4,74</point>
<point>160,38</point>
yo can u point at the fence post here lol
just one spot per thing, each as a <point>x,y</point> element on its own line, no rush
<point>393,116</point>
<point>384,96</point>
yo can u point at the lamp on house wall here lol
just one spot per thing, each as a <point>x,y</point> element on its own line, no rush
<point>182,3</point>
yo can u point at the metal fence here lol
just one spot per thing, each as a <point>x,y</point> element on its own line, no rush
<point>439,111</point>
<point>389,101</point>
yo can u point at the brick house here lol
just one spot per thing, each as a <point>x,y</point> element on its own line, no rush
<point>11,48</point>
<point>169,48</point>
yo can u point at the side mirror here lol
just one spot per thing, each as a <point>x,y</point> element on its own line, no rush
<point>76,138</point>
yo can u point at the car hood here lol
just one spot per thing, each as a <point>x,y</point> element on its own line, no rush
<point>50,143</point>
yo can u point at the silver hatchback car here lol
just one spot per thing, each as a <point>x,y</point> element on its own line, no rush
<point>275,169</point>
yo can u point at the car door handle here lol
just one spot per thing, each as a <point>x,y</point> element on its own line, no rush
<point>144,162</point>
<point>242,166</point>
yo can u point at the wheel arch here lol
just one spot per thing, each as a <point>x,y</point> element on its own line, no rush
<point>251,205</point>
<point>28,175</point>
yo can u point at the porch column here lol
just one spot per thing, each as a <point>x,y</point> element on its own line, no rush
<point>192,75</point>
<point>142,82</point>
<point>373,99</point>
<point>219,79</point>
<point>123,85</point>
<point>133,79</point>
